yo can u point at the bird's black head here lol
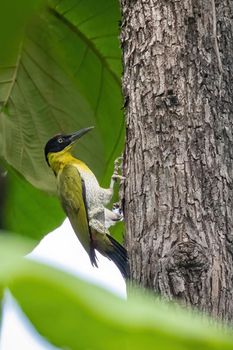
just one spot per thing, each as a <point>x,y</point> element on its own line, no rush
<point>61,142</point>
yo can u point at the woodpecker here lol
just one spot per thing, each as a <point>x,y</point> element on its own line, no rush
<point>84,201</point>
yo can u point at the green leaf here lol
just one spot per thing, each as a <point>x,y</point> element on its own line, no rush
<point>62,80</point>
<point>77,315</point>
<point>29,211</point>
<point>74,314</point>
<point>63,76</point>
<point>97,24</point>
<point>13,17</point>
<point>12,248</point>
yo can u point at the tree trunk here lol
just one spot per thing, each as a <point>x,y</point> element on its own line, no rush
<point>178,162</point>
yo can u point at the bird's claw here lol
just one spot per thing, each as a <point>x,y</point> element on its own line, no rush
<point>118,164</point>
<point>118,177</point>
<point>118,211</point>
<point>118,169</point>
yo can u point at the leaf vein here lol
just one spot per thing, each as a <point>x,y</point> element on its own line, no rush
<point>88,42</point>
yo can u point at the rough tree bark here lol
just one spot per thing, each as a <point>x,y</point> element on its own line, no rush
<point>178,162</point>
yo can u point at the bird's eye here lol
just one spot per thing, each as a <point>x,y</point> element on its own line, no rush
<point>60,140</point>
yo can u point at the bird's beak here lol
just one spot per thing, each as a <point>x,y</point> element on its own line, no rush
<point>76,135</point>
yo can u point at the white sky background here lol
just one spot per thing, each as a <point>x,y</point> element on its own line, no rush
<point>61,249</point>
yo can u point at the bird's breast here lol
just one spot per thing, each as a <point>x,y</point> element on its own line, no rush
<point>91,186</point>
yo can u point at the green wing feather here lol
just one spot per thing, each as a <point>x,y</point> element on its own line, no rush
<point>72,193</point>
<point>71,190</point>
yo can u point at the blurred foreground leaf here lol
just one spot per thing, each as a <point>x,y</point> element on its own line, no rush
<point>77,315</point>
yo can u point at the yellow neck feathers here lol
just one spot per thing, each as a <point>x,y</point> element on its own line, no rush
<point>58,160</point>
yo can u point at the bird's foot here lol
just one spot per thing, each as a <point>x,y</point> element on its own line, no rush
<point>116,209</point>
<point>118,169</point>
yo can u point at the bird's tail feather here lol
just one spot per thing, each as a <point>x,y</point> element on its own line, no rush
<point>92,256</point>
<point>119,256</point>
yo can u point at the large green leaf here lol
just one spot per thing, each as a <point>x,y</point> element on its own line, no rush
<point>77,315</point>
<point>29,211</point>
<point>64,75</point>
<point>64,78</point>
<point>13,17</point>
